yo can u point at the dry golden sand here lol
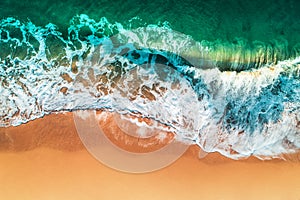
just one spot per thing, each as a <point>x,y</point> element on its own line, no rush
<point>45,159</point>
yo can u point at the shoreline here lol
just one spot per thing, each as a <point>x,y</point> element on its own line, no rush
<point>57,131</point>
<point>59,167</point>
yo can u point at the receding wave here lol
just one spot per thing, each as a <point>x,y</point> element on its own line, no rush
<point>239,99</point>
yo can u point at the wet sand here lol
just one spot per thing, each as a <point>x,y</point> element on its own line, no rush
<point>45,159</point>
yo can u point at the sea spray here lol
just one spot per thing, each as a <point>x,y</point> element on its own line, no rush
<point>240,98</point>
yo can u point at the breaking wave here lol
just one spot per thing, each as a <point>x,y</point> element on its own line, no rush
<point>239,99</point>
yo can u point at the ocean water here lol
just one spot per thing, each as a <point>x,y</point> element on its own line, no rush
<point>221,74</point>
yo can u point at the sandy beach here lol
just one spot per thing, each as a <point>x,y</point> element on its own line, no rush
<point>45,159</point>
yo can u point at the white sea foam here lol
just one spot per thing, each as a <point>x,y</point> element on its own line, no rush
<point>152,72</point>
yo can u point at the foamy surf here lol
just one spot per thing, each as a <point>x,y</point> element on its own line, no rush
<point>239,102</point>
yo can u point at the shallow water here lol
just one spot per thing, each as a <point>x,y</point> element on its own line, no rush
<point>223,75</point>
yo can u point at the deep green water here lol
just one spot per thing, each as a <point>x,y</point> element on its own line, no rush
<point>204,20</point>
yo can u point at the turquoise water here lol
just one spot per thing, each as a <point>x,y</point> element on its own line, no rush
<point>221,74</point>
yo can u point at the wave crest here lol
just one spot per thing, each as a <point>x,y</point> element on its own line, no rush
<point>158,73</point>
